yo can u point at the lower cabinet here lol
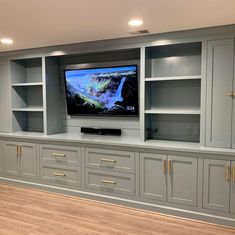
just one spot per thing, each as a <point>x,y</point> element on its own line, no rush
<point>20,159</point>
<point>60,165</point>
<point>168,178</point>
<point>219,185</point>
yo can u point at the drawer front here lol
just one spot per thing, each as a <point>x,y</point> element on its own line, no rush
<point>61,176</point>
<point>104,181</point>
<point>60,155</point>
<point>121,161</point>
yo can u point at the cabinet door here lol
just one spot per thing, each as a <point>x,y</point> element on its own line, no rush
<point>182,180</point>
<point>216,185</point>
<point>28,161</point>
<point>219,103</point>
<point>152,176</point>
<point>232,192</point>
<point>10,159</point>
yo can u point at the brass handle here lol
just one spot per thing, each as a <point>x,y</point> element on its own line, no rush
<point>59,174</point>
<point>17,150</point>
<point>233,173</point>
<point>230,93</point>
<point>107,160</point>
<point>164,167</point>
<point>58,154</point>
<point>227,173</point>
<point>108,181</point>
<point>233,94</point>
<point>169,167</point>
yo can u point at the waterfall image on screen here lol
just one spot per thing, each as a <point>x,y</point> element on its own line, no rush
<point>111,90</point>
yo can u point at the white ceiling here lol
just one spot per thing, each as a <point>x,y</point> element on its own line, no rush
<point>38,23</point>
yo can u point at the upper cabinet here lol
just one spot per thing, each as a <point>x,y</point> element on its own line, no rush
<point>220,111</point>
<point>172,92</point>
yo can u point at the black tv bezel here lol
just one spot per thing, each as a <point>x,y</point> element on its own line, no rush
<point>103,114</point>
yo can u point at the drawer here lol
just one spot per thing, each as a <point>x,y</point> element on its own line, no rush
<point>106,182</point>
<point>114,160</point>
<point>60,155</point>
<point>60,176</point>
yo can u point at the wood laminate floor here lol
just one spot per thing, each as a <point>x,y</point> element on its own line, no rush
<point>31,212</point>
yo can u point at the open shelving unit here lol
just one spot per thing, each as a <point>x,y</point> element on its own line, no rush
<point>173,92</point>
<point>27,95</point>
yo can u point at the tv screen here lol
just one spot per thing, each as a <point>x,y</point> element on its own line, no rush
<point>102,91</point>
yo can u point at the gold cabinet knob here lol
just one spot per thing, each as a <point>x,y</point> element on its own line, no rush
<point>230,93</point>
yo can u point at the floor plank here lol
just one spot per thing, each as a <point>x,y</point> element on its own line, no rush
<point>26,211</point>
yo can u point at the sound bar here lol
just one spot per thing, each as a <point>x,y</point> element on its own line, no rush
<point>101,131</point>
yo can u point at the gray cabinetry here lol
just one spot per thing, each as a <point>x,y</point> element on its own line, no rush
<point>60,165</point>
<point>4,97</point>
<point>218,185</point>
<point>182,180</point>
<point>220,66</point>
<point>232,191</point>
<point>171,178</point>
<point>110,171</point>
<point>153,176</point>
<point>20,160</point>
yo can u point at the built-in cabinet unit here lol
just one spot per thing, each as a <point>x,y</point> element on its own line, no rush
<point>176,156</point>
<point>220,116</point>
<point>20,160</point>
<point>173,92</point>
<point>168,178</point>
<point>218,185</point>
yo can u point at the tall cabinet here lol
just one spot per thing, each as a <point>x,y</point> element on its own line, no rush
<point>220,116</point>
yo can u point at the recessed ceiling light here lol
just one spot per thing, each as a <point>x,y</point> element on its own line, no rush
<point>135,22</point>
<point>6,41</point>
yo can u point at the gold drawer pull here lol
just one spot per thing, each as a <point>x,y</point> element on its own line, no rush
<point>108,181</point>
<point>233,173</point>
<point>169,167</point>
<point>58,154</point>
<point>164,167</point>
<point>230,93</point>
<point>59,174</point>
<point>227,173</point>
<point>108,160</point>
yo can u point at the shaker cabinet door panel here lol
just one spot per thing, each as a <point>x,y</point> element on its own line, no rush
<point>216,185</point>
<point>220,77</point>
<point>153,176</point>
<point>28,161</point>
<point>232,192</point>
<point>182,180</point>
<point>11,163</point>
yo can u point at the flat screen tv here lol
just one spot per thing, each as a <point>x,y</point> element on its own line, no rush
<point>102,91</point>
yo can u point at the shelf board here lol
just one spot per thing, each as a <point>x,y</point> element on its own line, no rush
<point>173,111</point>
<point>155,79</point>
<point>27,109</point>
<point>27,84</point>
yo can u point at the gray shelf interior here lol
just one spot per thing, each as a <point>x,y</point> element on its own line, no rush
<point>181,127</point>
<point>26,70</point>
<point>27,97</point>
<point>173,94</point>
<point>173,60</point>
<point>27,121</point>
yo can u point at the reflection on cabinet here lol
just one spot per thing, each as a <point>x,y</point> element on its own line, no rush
<point>20,159</point>
<point>220,66</point>
<point>218,185</point>
<point>171,178</point>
